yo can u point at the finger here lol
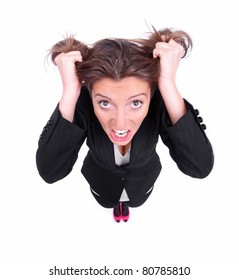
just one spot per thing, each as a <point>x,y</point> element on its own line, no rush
<point>159,48</point>
<point>177,47</point>
<point>77,58</point>
<point>72,53</point>
<point>161,45</point>
<point>73,56</point>
<point>173,43</point>
<point>156,53</point>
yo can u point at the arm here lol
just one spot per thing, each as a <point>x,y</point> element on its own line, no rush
<point>188,143</point>
<point>181,130</point>
<point>61,140</point>
<point>59,145</point>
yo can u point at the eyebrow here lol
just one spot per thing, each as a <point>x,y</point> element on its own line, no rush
<point>131,97</point>
<point>137,95</point>
<point>102,96</point>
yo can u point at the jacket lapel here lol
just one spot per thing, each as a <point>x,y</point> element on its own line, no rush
<point>102,145</point>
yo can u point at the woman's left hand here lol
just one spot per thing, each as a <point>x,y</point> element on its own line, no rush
<point>170,55</point>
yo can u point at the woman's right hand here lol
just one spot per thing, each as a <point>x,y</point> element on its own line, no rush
<point>66,66</point>
<point>71,83</point>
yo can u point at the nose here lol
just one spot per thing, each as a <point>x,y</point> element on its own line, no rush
<point>120,119</point>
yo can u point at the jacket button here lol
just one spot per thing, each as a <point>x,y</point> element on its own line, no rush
<point>196,111</point>
<point>50,122</point>
<point>203,126</point>
<point>200,119</point>
<point>123,179</point>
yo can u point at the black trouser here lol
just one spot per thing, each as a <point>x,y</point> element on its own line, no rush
<point>108,204</point>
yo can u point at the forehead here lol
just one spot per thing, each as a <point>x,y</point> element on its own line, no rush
<point>129,85</point>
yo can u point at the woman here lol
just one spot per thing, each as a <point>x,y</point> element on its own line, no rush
<point>119,95</point>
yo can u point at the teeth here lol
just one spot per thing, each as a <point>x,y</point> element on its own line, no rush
<point>120,133</point>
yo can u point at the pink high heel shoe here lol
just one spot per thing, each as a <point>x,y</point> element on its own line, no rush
<point>124,212</point>
<point>117,213</point>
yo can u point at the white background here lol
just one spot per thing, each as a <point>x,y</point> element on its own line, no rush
<point>185,221</point>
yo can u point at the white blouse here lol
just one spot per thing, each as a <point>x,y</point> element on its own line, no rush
<point>121,160</point>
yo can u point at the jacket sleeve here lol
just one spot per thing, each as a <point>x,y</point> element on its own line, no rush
<point>59,145</point>
<point>188,144</point>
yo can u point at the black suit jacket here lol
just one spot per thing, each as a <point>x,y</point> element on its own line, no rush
<point>61,140</point>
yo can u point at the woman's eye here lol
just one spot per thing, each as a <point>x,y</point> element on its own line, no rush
<point>104,104</point>
<point>137,104</point>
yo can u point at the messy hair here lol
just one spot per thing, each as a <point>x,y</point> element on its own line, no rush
<point>118,58</point>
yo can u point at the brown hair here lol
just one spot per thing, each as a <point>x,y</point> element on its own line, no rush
<point>117,58</point>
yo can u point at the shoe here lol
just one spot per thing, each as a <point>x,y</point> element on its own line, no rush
<point>117,213</point>
<point>124,212</point>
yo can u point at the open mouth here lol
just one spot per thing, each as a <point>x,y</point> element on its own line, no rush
<point>120,135</point>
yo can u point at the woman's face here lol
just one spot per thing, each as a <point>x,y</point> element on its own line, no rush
<point>121,106</point>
